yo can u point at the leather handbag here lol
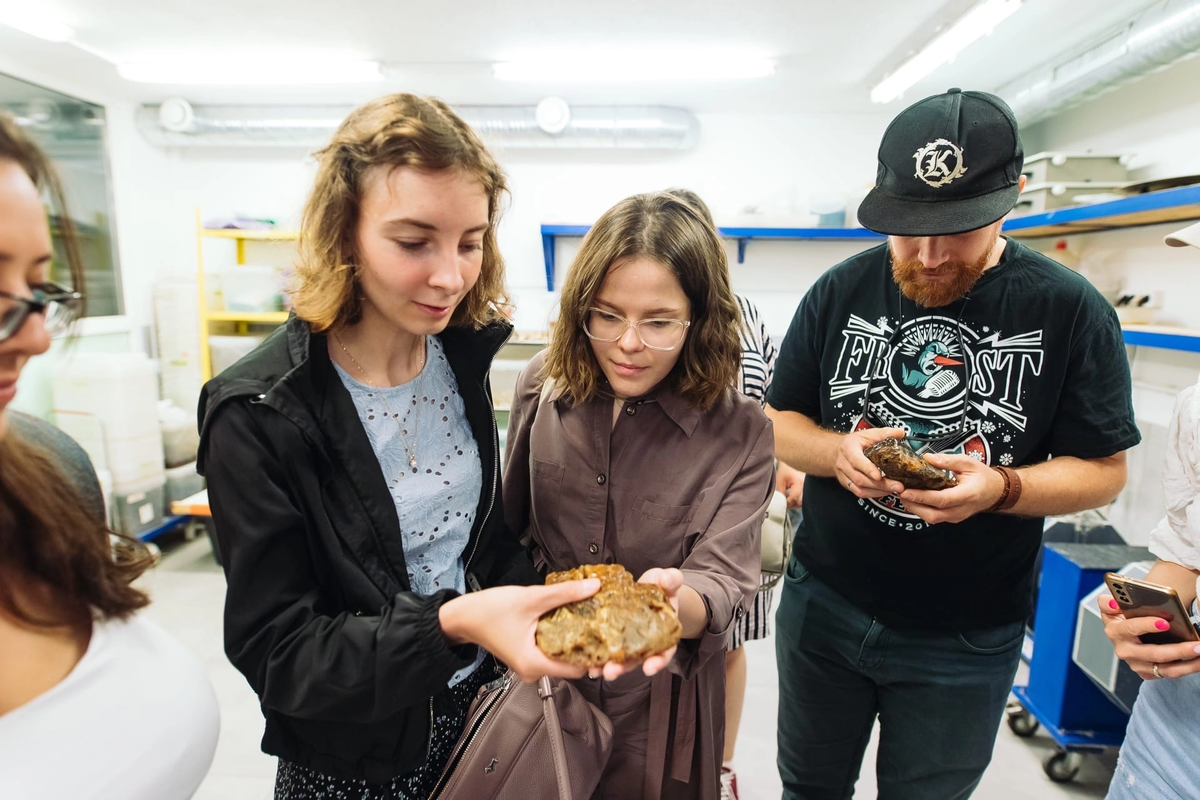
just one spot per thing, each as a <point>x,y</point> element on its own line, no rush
<point>528,741</point>
<point>776,542</point>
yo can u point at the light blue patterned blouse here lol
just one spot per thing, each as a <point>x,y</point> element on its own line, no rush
<point>436,500</point>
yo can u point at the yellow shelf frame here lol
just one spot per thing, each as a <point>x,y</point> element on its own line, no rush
<point>269,317</point>
<point>243,319</point>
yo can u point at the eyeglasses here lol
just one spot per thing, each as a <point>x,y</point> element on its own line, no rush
<point>935,380</point>
<point>656,334</point>
<point>61,306</point>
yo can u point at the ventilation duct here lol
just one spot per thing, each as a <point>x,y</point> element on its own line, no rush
<point>177,123</point>
<point>1155,39</point>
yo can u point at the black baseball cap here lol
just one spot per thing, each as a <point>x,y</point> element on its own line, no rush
<point>948,164</point>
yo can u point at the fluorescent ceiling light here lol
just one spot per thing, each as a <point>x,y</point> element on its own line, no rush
<point>975,24</point>
<point>35,21</point>
<point>224,70</point>
<point>613,66</point>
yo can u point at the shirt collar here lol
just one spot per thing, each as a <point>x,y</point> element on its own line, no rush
<point>681,412</point>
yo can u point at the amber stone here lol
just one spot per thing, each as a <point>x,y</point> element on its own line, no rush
<point>898,462</point>
<point>624,621</point>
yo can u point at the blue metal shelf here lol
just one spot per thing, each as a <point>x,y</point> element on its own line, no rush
<point>1152,208</point>
<point>1163,338</point>
<point>550,234</point>
<point>168,524</point>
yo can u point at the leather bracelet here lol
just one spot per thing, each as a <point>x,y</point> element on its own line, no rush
<point>1012,489</point>
<point>1014,493</point>
<point>1003,495</point>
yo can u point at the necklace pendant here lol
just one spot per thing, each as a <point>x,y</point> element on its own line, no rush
<point>412,459</point>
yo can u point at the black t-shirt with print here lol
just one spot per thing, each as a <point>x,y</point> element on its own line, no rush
<point>1033,358</point>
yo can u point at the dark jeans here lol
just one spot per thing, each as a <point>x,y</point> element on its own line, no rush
<point>939,698</point>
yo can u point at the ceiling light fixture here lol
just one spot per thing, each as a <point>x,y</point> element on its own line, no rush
<point>222,70</point>
<point>35,22</point>
<point>975,24</point>
<point>612,66</point>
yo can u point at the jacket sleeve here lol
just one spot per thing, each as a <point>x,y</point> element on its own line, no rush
<point>516,454</point>
<point>723,566</point>
<point>303,658</point>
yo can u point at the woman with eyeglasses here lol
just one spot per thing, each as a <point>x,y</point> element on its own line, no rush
<point>94,701</point>
<point>641,452</point>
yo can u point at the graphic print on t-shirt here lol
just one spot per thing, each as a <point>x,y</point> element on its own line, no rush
<point>953,387</point>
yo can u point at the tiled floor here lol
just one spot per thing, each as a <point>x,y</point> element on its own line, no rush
<point>188,591</point>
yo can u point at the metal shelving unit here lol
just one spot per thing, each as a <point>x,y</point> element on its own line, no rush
<point>742,235</point>
<point>241,320</point>
<point>1153,208</point>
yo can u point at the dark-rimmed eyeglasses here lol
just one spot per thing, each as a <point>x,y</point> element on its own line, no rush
<point>655,333</point>
<point>59,305</point>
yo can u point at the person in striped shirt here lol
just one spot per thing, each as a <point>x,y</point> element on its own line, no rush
<point>758,366</point>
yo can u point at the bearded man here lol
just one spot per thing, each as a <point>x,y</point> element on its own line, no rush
<point>996,364</point>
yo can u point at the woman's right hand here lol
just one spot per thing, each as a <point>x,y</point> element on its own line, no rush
<point>1173,660</point>
<point>503,621</point>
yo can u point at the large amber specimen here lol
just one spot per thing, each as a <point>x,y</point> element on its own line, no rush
<point>624,621</point>
<point>898,462</point>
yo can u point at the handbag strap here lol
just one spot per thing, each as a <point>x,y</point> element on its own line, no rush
<point>558,748</point>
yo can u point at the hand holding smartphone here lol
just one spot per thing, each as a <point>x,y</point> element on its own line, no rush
<point>1138,598</point>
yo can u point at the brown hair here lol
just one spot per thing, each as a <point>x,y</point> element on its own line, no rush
<point>391,131</point>
<point>693,200</point>
<point>16,146</point>
<point>50,546</point>
<point>668,230</point>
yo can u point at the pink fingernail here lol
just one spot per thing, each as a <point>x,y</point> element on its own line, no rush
<point>1113,604</point>
<point>1198,649</point>
<point>1162,625</point>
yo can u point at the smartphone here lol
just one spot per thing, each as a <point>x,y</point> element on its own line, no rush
<point>1144,599</point>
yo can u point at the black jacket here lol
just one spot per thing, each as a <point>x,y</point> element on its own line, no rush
<point>319,616</point>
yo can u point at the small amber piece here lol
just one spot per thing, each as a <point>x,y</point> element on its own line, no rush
<point>624,621</point>
<point>898,462</point>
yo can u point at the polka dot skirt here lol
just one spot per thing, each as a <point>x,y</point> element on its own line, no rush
<point>293,782</point>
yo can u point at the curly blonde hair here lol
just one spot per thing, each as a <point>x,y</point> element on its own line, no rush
<point>398,130</point>
<point>669,231</point>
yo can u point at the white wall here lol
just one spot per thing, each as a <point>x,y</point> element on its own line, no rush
<point>775,163</point>
<point>1157,121</point>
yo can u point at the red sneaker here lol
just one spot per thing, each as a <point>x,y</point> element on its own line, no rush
<point>729,789</point>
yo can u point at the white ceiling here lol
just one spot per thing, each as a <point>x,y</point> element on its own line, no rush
<point>828,54</point>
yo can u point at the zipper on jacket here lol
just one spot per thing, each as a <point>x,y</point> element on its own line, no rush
<point>487,390</point>
<point>429,741</point>
<point>475,726</point>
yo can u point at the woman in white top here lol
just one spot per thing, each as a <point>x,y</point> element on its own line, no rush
<point>1158,757</point>
<point>94,702</point>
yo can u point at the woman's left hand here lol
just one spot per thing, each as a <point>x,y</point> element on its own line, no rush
<point>671,581</point>
<point>1172,660</point>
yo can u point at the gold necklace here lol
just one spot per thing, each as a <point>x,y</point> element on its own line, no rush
<point>410,449</point>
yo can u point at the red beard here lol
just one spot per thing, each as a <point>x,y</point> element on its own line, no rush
<point>910,275</point>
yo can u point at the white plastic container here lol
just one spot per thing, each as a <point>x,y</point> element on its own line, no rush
<point>120,389</point>
<point>182,482</point>
<point>135,461</point>
<point>181,440</point>
<point>88,431</point>
<point>251,288</point>
<point>138,509</point>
